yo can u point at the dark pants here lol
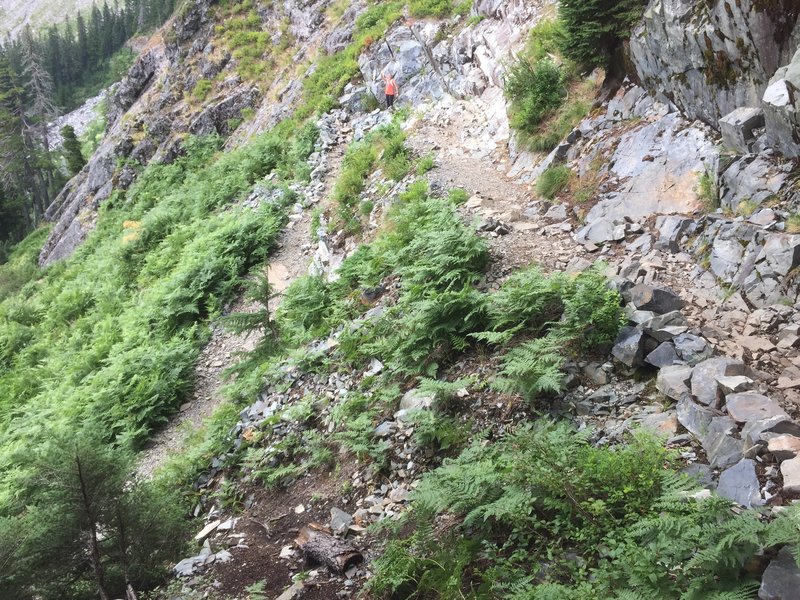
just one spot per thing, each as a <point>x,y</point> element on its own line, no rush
<point>389,100</point>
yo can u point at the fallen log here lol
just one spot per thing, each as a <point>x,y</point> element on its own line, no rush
<point>321,547</point>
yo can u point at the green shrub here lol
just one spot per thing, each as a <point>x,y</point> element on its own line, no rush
<point>540,513</point>
<point>425,164</point>
<point>553,180</point>
<point>458,196</point>
<point>535,90</point>
<point>431,8</point>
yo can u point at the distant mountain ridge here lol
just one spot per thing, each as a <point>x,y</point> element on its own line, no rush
<point>14,14</point>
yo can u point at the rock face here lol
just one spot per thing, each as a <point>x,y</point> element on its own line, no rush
<point>710,58</point>
<point>781,580</point>
<point>782,109</point>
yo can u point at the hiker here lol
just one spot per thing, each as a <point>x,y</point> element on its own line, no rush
<point>391,89</point>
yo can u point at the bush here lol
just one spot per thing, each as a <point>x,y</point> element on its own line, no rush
<point>535,90</point>
<point>553,180</point>
<point>541,514</point>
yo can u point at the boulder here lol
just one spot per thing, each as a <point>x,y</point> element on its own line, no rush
<point>671,228</point>
<point>782,109</point>
<point>694,417</point>
<point>667,326</point>
<point>781,580</point>
<point>784,447</point>
<point>765,429</point>
<point>790,469</point>
<point>750,406</point>
<point>663,356</point>
<point>705,386</point>
<point>722,449</point>
<point>691,349</point>
<point>660,300</point>
<point>740,484</point>
<point>673,381</point>
<point>629,346</point>
<point>738,126</point>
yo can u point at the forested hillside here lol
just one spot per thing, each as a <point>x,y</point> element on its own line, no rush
<point>532,333</point>
<point>45,73</point>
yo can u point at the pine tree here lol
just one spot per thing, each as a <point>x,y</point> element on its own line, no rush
<point>596,29</point>
<point>72,150</point>
<point>83,42</point>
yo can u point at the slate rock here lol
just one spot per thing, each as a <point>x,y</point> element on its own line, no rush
<point>673,381</point>
<point>629,346</point>
<point>790,469</point>
<point>417,399</point>
<point>658,299</point>
<point>694,417</point>
<point>722,449</point>
<point>663,327</point>
<point>671,228</point>
<point>765,429</point>
<point>663,356</point>
<point>737,128</point>
<point>705,386</point>
<point>784,447</point>
<point>691,349</point>
<point>740,484</point>
<point>702,473</point>
<point>781,580</point>
<point>734,384</point>
<point>750,406</point>
<point>340,521</point>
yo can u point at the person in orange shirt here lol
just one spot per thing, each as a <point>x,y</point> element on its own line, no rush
<point>390,90</point>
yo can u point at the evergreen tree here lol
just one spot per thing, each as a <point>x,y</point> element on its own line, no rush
<point>596,29</point>
<point>83,42</point>
<point>72,150</point>
<point>81,529</point>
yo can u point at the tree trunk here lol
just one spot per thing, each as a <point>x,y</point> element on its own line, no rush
<point>318,546</point>
<point>94,558</point>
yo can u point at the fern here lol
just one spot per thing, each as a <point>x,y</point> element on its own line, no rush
<point>534,367</point>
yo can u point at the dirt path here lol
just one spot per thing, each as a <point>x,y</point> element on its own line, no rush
<point>290,261</point>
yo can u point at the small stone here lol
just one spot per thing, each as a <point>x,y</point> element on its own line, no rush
<point>299,509</point>
<point>207,530</point>
<point>755,343</point>
<point>733,384</point>
<point>663,356</point>
<point>340,521</point>
<point>286,552</point>
<point>385,429</point>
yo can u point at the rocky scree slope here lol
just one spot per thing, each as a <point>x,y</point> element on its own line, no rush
<point>733,413</point>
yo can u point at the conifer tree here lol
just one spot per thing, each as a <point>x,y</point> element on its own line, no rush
<point>72,150</point>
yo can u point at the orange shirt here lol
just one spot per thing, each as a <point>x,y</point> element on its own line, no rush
<point>391,87</point>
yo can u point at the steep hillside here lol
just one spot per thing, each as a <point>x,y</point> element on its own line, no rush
<point>531,334</point>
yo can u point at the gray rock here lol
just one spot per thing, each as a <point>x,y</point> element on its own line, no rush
<point>385,429</point>
<point>702,473</point>
<point>557,212</point>
<point>684,50</point>
<point>723,450</point>
<point>749,406</point>
<point>667,326</point>
<point>737,128</point>
<point>673,381</point>
<point>671,228</point>
<point>781,580</point>
<point>764,429</point>
<point>726,258</point>
<point>694,417</point>
<point>734,384</point>
<point>740,484</point>
<point>705,386</point>
<point>663,356</point>
<point>790,469</point>
<point>691,349</point>
<point>628,347</point>
<point>600,231</point>
<point>782,113</point>
<point>416,399</point>
<point>660,300</point>
<point>340,521</point>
